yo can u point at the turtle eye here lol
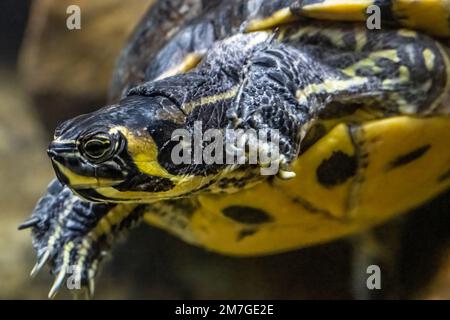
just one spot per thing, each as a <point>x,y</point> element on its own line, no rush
<point>98,147</point>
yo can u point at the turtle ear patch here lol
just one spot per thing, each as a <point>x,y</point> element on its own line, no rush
<point>408,157</point>
<point>247,215</point>
<point>336,169</point>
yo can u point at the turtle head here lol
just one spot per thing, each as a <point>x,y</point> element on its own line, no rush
<point>121,152</point>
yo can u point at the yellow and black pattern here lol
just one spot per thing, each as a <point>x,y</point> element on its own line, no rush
<point>363,116</point>
<point>75,240</point>
<point>355,177</point>
<point>431,16</point>
<point>398,67</point>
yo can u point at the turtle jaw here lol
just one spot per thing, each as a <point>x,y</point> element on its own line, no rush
<point>73,170</point>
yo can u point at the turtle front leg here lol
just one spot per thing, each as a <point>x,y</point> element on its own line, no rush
<point>72,235</point>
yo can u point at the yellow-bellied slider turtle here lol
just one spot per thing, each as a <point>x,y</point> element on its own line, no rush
<point>355,120</point>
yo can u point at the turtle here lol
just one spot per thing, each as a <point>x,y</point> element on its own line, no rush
<point>355,122</point>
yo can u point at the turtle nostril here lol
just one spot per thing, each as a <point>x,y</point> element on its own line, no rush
<point>51,153</point>
<point>51,150</point>
<point>60,149</point>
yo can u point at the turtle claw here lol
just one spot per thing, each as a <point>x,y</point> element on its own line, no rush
<point>78,266</point>
<point>61,225</point>
<point>40,263</point>
<point>57,283</point>
<point>66,239</point>
<point>33,221</point>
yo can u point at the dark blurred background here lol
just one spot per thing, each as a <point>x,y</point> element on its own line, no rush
<point>48,74</point>
<point>14,15</point>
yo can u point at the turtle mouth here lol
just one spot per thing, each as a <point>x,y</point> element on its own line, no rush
<point>78,182</point>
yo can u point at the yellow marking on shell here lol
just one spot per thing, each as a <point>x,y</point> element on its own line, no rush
<point>429,58</point>
<point>428,15</point>
<point>189,62</point>
<point>383,194</point>
<point>278,17</point>
<point>339,139</point>
<point>370,61</point>
<point>330,85</point>
<point>190,106</point>
<point>350,10</point>
<point>408,185</point>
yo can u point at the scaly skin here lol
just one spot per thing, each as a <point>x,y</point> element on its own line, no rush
<point>280,80</point>
<point>64,235</point>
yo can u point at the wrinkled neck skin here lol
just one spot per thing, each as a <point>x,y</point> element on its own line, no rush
<point>245,82</point>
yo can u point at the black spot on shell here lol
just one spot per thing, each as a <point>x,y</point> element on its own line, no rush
<point>248,215</point>
<point>408,157</point>
<point>336,170</point>
<point>245,233</point>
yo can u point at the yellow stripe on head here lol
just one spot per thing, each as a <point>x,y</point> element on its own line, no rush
<point>190,106</point>
<point>77,180</point>
<point>144,152</point>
